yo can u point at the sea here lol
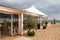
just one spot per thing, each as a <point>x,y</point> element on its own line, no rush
<point>49,21</point>
<point>57,21</point>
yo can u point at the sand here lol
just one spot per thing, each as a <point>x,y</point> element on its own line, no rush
<point>52,32</point>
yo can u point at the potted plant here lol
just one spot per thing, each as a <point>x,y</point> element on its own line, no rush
<point>54,21</point>
<point>45,25</point>
<point>30,25</point>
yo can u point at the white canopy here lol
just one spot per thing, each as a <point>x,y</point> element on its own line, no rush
<point>35,11</point>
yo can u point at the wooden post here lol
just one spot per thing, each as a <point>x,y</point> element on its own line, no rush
<point>11,24</point>
<point>22,24</point>
<point>19,23</point>
<point>20,30</point>
<point>38,20</point>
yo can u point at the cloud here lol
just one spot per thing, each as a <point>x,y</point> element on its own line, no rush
<point>49,7</point>
<point>18,3</point>
<point>55,16</point>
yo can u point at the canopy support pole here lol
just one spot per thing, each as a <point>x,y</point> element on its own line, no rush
<point>11,24</point>
<point>20,28</point>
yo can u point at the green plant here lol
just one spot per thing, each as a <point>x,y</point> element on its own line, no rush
<point>30,22</point>
<point>30,25</point>
<point>46,22</point>
<point>31,33</point>
<point>54,21</point>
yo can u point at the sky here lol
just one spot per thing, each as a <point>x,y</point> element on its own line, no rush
<point>49,7</point>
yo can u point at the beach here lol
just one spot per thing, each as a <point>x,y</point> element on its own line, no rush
<point>52,32</point>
